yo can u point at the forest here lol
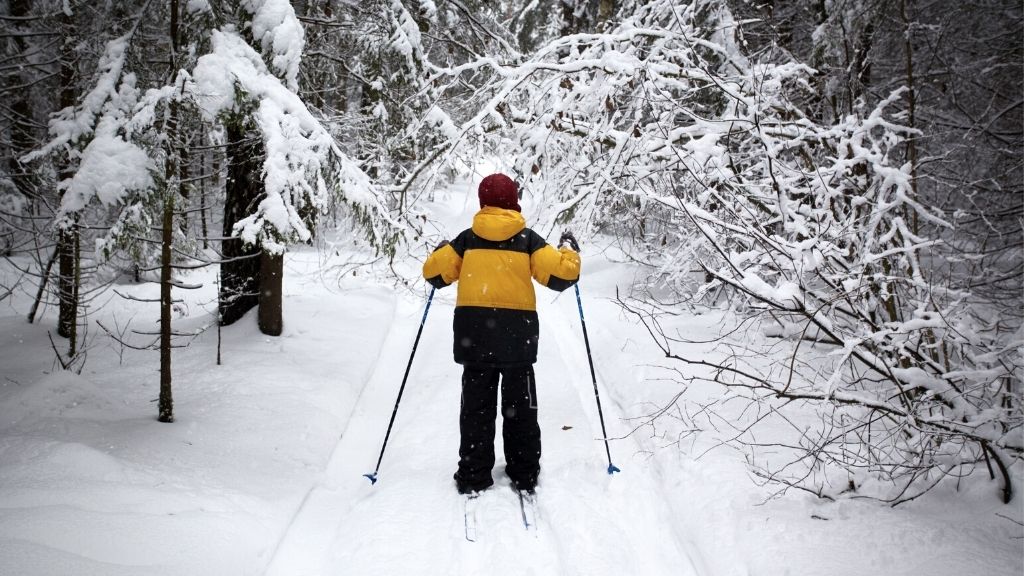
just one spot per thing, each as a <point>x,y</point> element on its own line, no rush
<point>845,177</point>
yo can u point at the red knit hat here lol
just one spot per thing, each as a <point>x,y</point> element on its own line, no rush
<point>499,191</point>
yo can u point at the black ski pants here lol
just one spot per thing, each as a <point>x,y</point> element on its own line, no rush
<point>519,429</point>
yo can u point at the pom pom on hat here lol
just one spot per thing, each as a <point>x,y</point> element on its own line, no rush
<point>499,191</point>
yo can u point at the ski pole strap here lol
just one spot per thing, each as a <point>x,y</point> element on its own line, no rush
<point>430,298</point>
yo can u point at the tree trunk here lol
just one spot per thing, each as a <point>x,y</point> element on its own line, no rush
<point>271,309</point>
<point>42,287</point>
<point>166,404</point>
<point>165,408</point>
<point>908,48</point>
<point>215,175</point>
<point>184,186</point>
<point>22,132</point>
<point>240,271</point>
<point>68,307</point>
<point>860,67</point>
<point>77,285</point>
<point>572,23</point>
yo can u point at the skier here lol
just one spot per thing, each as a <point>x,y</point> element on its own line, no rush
<point>496,330</point>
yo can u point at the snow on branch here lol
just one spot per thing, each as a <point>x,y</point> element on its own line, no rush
<point>405,37</point>
<point>821,245</point>
<point>303,161</point>
<point>110,166</point>
<point>72,124</point>
<point>279,32</point>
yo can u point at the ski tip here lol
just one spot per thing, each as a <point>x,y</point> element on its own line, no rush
<point>612,469</point>
<point>371,477</point>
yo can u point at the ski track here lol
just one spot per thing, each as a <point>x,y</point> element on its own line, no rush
<point>628,513</point>
<point>323,505</point>
<point>304,507</point>
<point>587,522</point>
<point>607,367</point>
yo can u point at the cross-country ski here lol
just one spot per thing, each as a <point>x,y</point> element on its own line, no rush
<point>528,509</point>
<point>469,504</point>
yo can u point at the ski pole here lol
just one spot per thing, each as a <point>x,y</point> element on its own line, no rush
<point>593,376</point>
<point>415,344</point>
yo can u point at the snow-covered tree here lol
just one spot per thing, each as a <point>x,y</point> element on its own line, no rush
<point>382,59</point>
<point>126,140</point>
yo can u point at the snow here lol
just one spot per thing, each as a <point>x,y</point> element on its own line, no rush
<point>198,6</point>
<point>262,471</point>
<point>406,39</point>
<point>109,168</point>
<point>786,294</point>
<point>278,30</point>
<point>442,122</point>
<point>71,124</point>
<point>428,9</point>
<point>299,149</point>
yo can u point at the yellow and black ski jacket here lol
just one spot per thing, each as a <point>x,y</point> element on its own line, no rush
<point>496,308</point>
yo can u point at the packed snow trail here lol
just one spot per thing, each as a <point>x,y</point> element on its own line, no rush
<point>412,521</point>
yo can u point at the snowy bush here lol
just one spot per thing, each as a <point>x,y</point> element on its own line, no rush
<point>913,382</point>
<point>662,130</point>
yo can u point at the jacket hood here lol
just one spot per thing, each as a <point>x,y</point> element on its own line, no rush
<point>497,224</point>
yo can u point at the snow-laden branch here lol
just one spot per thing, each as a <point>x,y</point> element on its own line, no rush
<point>302,162</point>
<point>72,124</point>
<point>280,34</point>
<point>110,167</point>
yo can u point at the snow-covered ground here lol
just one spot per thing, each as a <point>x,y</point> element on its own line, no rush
<point>262,471</point>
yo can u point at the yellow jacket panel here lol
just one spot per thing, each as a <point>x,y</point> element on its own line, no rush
<point>493,262</point>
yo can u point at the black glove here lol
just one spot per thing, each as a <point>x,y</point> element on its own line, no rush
<point>442,245</point>
<point>570,240</point>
